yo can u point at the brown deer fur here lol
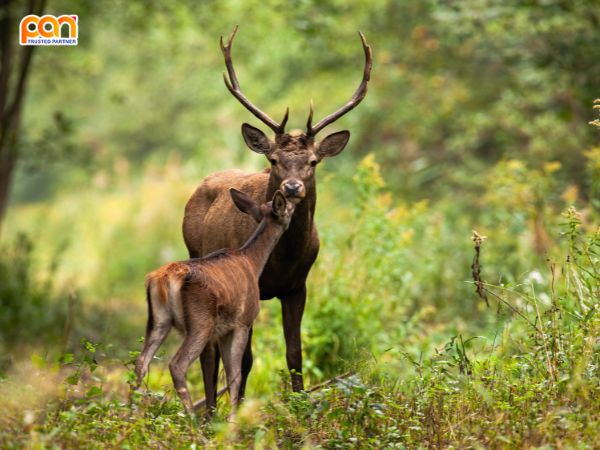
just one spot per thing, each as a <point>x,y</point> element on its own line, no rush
<point>211,221</point>
<point>213,300</point>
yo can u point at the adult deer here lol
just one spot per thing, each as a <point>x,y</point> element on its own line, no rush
<point>212,221</point>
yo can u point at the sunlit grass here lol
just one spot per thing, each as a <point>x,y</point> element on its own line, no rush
<point>390,299</point>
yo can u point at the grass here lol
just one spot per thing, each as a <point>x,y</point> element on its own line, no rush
<point>391,302</point>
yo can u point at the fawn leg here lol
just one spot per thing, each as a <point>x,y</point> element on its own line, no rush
<point>190,350</point>
<point>157,329</point>
<point>233,346</point>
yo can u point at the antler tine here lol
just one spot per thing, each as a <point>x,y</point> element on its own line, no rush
<point>234,87</point>
<point>285,119</point>
<point>360,93</point>
<point>310,118</point>
<point>226,50</point>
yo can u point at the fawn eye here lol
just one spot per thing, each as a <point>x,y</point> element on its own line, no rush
<point>273,161</point>
<point>313,163</point>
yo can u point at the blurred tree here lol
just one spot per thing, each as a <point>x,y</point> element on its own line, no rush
<point>456,86</point>
<point>14,71</point>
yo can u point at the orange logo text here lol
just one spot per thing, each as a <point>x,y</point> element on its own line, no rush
<point>47,30</point>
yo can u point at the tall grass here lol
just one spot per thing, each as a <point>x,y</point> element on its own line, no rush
<point>391,303</point>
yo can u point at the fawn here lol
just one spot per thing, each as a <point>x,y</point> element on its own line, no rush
<point>213,299</point>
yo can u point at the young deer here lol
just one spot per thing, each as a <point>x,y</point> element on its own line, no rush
<point>213,300</point>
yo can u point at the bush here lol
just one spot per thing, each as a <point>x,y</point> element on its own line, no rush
<point>30,309</point>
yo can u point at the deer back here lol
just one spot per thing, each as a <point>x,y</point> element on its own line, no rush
<point>211,219</point>
<point>223,286</point>
<point>212,222</point>
<point>221,289</point>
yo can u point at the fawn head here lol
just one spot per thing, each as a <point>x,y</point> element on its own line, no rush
<point>278,210</point>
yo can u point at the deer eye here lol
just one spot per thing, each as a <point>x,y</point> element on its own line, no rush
<point>313,163</point>
<point>273,161</point>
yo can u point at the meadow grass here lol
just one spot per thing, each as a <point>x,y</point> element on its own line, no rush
<point>392,306</point>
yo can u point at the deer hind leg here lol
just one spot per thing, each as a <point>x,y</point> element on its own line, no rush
<point>190,350</point>
<point>209,360</point>
<point>233,346</point>
<point>157,328</point>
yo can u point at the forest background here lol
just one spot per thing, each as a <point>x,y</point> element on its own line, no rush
<point>479,116</point>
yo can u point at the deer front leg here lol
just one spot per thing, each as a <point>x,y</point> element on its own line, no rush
<point>292,309</point>
<point>247,361</point>
<point>233,346</point>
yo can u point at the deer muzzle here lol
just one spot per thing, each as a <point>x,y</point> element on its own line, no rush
<point>293,188</point>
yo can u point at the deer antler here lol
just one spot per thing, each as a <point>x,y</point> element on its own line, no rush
<point>353,102</point>
<point>234,87</point>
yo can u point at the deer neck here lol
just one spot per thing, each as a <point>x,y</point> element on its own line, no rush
<point>259,246</point>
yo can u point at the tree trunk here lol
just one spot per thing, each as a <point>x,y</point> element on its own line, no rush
<point>13,82</point>
<point>8,158</point>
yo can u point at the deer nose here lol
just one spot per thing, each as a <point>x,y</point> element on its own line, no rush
<point>293,188</point>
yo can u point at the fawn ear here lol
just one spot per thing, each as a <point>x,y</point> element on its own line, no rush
<point>279,204</point>
<point>245,204</point>
<point>333,144</point>
<point>256,139</point>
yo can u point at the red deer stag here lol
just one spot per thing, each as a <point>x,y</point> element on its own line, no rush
<point>211,221</point>
<point>213,300</point>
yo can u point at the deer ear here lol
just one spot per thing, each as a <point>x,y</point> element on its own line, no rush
<point>279,204</point>
<point>256,139</point>
<point>245,204</point>
<point>333,144</point>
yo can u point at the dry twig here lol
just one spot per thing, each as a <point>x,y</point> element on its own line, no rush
<point>476,267</point>
<point>332,380</point>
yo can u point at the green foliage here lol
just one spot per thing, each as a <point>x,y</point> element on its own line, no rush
<point>533,385</point>
<point>523,83</point>
<point>454,86</point>
<point>29,306</point>
<point>476,118</point>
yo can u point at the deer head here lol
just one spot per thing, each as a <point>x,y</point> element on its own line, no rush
<point>278,210</point>
<point>294,156</point>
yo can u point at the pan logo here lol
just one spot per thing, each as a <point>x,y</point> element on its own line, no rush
<point>47,30</point>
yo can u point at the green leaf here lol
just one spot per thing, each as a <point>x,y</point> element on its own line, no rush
<point>66,358</point>
<point>94,391</point>
<point>73,379</point>
<point>89,346</point>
